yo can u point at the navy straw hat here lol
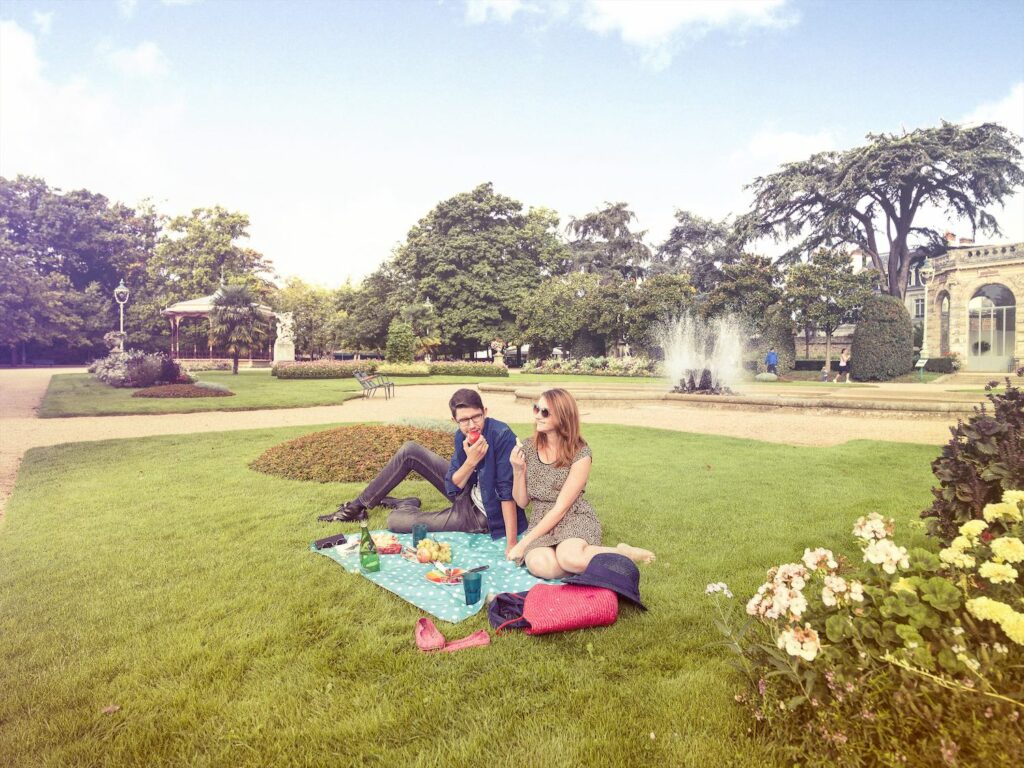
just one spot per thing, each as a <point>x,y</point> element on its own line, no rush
<point>611,571</point>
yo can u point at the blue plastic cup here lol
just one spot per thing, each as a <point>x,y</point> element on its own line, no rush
<point>471,582</point>
<point>419,533</point>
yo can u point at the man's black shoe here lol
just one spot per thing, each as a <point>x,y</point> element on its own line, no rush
<point>392,503</point>
<point>349,512</point>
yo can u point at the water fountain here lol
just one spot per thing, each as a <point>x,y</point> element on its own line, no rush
<point>705,358</point>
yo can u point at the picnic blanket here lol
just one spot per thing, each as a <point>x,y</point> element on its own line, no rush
<point>447,602</point>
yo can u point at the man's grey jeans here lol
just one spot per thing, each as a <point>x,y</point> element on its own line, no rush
<point>413,457</point>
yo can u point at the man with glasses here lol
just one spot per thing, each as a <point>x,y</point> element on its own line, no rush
<point>478,479</point>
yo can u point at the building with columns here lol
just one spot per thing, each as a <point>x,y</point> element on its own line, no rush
<point>971,305</point>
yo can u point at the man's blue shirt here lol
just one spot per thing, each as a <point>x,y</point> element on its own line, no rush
<point>493,475</point>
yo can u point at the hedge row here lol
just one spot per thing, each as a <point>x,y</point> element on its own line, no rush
<point>337,369</point>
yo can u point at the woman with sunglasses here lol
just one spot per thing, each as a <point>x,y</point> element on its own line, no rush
<point>550,471</point>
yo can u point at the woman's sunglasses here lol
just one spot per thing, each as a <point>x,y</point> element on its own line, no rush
<point>543,412</point>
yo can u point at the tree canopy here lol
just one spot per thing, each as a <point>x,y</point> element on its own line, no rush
<point>871,196</point>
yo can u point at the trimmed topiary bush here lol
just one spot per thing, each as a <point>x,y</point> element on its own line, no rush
<point>777,333</point>
<point>984,458</point>
<point>401,344</point>
<point>347,454</point>
<point>883,342</point>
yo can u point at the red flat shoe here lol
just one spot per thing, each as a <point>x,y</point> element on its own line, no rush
<point>428,637</point>
<point>472,641</point>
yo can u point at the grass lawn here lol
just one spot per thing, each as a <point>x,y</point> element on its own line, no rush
<point>79,394</point>
<point>163,576</point>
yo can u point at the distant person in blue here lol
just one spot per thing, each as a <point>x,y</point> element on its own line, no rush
<point>478,479</point>
<point>771,360</point>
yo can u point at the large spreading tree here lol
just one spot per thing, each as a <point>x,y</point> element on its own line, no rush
<point>699,247</point>
<point>872,196</point>
<point>475,257</point>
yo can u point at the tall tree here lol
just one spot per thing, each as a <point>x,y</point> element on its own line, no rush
<point>235,322</point>
<point>824,293</point>
<point>700,247</point>
<point>747,289</point>
<point>476,256</point>
<point>603,243</point>
<point>871,196</point>
<point>34,307</point>
<point>314,314</point>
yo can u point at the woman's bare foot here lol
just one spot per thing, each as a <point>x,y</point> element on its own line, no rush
<point>636,554</point>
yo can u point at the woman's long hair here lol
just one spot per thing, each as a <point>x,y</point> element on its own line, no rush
<point>563,407</point>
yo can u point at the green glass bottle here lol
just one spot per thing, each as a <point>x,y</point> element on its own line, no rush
<point>368,557</point>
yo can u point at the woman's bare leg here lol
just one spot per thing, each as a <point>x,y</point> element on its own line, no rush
<point>574,555</point>
<point>542,563</point>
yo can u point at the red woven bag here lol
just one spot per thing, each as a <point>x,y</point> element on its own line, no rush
<point>564,607</point>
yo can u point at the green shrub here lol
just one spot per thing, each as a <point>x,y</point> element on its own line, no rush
<point>883,340</point>
<point>944,364</point>
<point>347,454</point>
<point>401,344</point>
<point>206,365</point>
<point>137,369</point>
<point>467,369</point>
<point>598,366</point>
<point>909,659</point>
<point>983,459</point>
<point>404,369</point>
<point>323,369</point>
<point>777,333</point>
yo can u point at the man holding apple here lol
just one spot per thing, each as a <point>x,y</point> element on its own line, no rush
<point>478,479</point>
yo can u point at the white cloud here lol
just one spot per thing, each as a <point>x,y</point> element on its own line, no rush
<point>44,21</point>
<point>144,60</point>
<point>127,7</point>
<point>768,149</point>
<point>656,27</point>
<point>179,2</point>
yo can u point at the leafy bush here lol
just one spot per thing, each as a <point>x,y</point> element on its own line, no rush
<point>912,659</point>
<point>404,369</point>
<point>944,364</point>
<point>467,369</point>
<point>182,390</point>
<point>401,343</point>
<point>346,454</point>
<point>599,366</point>
<point>983,459</point>
<point>137,369</point>
<point>883,340</point>
<point>323,369</point>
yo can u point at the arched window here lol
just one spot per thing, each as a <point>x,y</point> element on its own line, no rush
<point>992,318</point>
<point>943,323</point>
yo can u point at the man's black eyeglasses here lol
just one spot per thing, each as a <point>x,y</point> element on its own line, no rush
<point>543,412</point>
<point>477,419</point>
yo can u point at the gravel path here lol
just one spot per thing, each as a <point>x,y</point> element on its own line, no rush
<point>22,390</point>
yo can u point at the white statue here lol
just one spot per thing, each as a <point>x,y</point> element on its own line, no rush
<point>284,347</point>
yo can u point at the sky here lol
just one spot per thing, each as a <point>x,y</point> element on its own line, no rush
<point>336,126</point>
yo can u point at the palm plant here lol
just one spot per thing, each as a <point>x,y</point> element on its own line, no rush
<point>235,322</point>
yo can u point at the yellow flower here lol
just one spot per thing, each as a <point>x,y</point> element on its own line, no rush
<point>973,528</point>
<point>903,584</point>
<point>987,609</point>
<point>956,558</point>
<point>1013,626</point>
<point>1013,497</point>
<point>998,573</point>
<point>1009,549</point>
<point>1002,511</point>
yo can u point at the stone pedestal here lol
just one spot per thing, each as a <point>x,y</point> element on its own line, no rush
<point>284,351</point>
<point>499,359</point>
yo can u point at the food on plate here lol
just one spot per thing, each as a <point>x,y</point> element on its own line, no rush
<point>387,543</point>
<point>429,550</point>
<point>450,576</point>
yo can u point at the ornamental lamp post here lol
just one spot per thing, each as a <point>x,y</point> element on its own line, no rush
<point>927,273</point>
<point>121,297</point>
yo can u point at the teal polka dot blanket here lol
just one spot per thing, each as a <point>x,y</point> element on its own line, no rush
<point>447,602</point>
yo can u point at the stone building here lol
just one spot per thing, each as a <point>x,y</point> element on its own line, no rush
<point>972,306</point>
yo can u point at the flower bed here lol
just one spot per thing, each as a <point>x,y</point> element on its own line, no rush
<point>404,369</point>
<point>910,659</point>
<point>183,390</point>
<point>323,369</point>
<point>467,369</point>
<point>599,366</point>
<point>346,454</point>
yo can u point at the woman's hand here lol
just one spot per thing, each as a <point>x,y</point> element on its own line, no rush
<point>517,552</point>
<point>518,458</point>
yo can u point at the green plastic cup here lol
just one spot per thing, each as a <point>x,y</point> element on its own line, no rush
<point>419,533</point>
<point>471,582</point>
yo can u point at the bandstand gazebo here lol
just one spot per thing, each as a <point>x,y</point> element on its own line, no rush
<point>200,309</point>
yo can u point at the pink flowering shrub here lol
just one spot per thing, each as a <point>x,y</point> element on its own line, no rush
<point>894,660</point>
